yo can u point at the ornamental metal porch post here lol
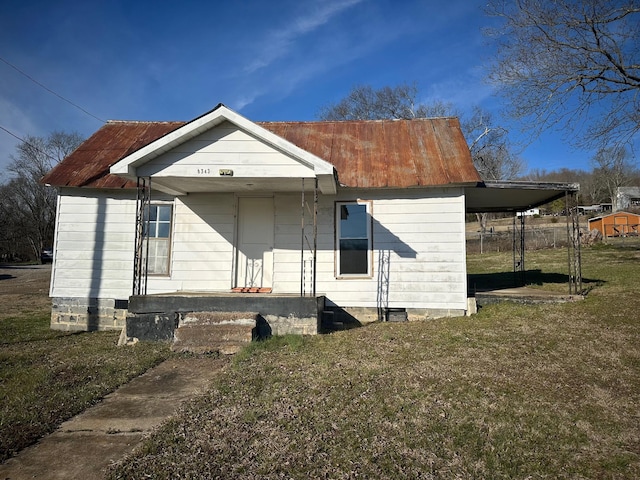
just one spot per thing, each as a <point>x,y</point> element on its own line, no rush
<point>313,247</point>
<point>141,253</point>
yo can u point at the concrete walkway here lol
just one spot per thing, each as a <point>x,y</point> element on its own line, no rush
<point>85,445</point>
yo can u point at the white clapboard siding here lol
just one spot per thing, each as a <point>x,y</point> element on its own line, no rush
<point>201,244</point>
<point>225,147</point>
<point>420,231</point>
<point>94,244</point>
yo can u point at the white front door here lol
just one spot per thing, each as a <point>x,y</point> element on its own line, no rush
<point>255,242</point>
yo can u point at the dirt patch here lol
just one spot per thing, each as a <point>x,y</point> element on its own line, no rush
<point>24,287</point>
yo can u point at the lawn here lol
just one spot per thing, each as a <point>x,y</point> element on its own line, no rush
<point>516,391</point>
<point>46,376</point>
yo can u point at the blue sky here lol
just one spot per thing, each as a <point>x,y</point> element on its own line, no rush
<point>268,60</point>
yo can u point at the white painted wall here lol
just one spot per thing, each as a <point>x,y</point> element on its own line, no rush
<point>421,232</point>
<point>94,244</point>
<point>225,147</point>
<point>201,244</point>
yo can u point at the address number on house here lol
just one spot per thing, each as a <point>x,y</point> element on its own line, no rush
<point>203,171</point>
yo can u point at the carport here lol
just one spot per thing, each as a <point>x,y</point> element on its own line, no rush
<point>518,197</point>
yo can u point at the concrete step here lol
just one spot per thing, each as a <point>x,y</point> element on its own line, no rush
<point>207,332</point>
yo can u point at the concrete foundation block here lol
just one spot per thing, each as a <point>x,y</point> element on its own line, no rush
<point>152,326</point>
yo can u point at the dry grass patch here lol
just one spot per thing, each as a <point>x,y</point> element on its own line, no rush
<point>48,376</point>
<point>548,391</point>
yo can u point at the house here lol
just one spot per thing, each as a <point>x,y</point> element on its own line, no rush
<point>618,224</point>
<point>627,198</point>
<point>293,220</point>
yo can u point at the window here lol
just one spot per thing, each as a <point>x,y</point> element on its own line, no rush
<point>353,238</point>
<point>159,224</point>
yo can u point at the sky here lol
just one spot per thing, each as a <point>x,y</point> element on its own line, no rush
<point>267,60</point>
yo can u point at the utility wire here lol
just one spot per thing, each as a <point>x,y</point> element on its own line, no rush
<point>29,143</point>
<point>13,134</point>
<point>50,91</point>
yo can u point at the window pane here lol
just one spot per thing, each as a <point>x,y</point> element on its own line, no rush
<point>158,261</point>
<point>353,256</point>
<point>353,221</point>
<point>163,230</point>
<point>164,213</point>
<point>153,212</point>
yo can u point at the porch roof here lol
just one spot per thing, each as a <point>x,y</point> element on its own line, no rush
<point>365,154</point>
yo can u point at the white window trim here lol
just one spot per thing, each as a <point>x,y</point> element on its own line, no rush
<point>369,208</point>
<point>169,238</point>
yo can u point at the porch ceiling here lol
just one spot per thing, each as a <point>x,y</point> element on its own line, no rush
<point>514,196</point>
<point>185,185</point>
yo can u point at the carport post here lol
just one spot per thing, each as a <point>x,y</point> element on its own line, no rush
<point>518,248</point>
<point>574,257</point>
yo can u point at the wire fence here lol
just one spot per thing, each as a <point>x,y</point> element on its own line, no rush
<point>502,241</point>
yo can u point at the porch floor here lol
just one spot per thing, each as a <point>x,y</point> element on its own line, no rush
<point>522,295</point>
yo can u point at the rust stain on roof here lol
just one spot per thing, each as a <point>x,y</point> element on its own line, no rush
<point>386,153</point>
<point>366,154</point>
<point>88,165</point>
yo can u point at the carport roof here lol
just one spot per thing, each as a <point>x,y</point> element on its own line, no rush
<point>514,196</point>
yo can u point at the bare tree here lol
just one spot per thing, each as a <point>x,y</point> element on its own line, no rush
<point>492,153</point>
<point>399,102</point>
<point>571,63</point>
<point>612,169</point>
<point>27,207</point>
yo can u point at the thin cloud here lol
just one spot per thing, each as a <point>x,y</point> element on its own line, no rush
<point>277,43</point>
<point>15,120</point>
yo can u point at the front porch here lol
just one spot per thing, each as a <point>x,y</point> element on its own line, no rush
<point>161,317</point>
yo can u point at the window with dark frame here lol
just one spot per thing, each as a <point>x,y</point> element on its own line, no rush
<point>159,224</point>
<point>353,231</point>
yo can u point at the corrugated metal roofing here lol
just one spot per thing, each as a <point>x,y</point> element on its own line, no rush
<point>381,153</point>
<point>88,165</point>
<point>386,153</point>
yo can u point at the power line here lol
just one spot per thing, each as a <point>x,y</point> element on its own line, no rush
<point>13,134</point>
<point>29,143</point>
<point>50,91</point>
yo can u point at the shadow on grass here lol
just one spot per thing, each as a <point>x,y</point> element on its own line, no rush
<point>482,282</point>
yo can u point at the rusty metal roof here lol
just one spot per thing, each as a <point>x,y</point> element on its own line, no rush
<point>88,165</point>
<point>367,154</point>
<point>386,153</point>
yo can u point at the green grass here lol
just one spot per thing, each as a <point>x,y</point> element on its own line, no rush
<point>48,376</point>
<point>516,391</point>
